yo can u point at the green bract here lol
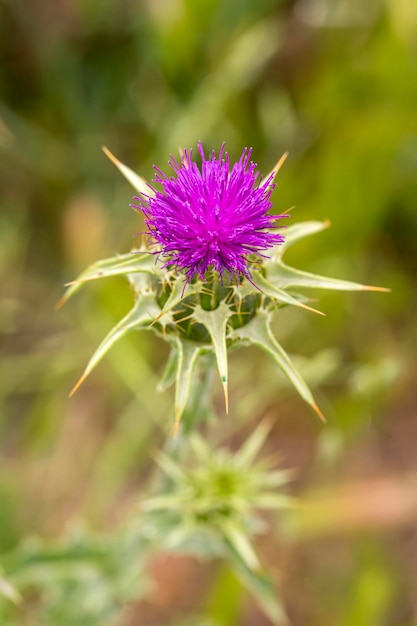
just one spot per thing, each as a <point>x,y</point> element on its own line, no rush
<point>209,317</point>
<point>209,506</point>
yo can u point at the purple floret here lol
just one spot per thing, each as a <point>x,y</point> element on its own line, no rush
<point>213,217</point>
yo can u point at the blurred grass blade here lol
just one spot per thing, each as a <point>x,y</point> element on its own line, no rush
<point>240,542</point>
<point>9,592</point>
<point>271,501</point>
<point>160,503</point>
<point>260,586</point>
<point>200,448</point>
<point>252,445</point>
<point>277,478</point>
<point>171,469</point>
<point>224,604</point>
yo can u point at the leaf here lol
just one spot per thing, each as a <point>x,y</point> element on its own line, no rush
<point>296,232</point>
<point>167,502</point>
<point>274,501</point>
<point>115,266</point>
<point>9,592</point>
<point>282,276</point>
<point>188,353</point>
<point>170,370</point>
<point>248,452</point>
<point>260,585</point>
<point>200,448</point>
<point>240,542</point>
<point>258,332</point>
<point>134,179</point>
<point>172,469</point>
<point>143,312</point>
<point>216,321</point>
<point>269,289</point>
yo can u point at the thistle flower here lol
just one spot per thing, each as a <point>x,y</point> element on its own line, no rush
<point>213,217</point>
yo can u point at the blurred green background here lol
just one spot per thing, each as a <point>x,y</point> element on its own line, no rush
<point>334,82</point>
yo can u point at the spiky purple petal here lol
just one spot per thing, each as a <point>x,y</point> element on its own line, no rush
<point>211,217</point>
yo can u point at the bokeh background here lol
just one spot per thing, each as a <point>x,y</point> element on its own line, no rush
<point>334,82</point>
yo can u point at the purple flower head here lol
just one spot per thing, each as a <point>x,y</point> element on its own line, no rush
<point>213,217</point>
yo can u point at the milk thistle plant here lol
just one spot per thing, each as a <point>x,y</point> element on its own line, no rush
<point>208,277</point>
<point>209,274</point>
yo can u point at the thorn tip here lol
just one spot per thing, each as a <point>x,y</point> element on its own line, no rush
<point>372,288</point>
<point>60,303</point>
<point>176,426</point>
<point>280,163</point>
<point>319,413</point>
<point>77,385</point>
<point>109,155</point>
<point>226,394</point>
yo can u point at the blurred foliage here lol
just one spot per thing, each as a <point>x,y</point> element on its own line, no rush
<point>87,580</point>
<point>334,82</point>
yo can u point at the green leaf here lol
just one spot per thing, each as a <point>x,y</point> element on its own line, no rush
<point>216,321</point>
<point>259,333</point>
<point>188,353</point>
<point>260,585</point>
<point>274,292</point>
<point>172,469</point>
<point>115,266</point>
<point>248,452</point>
<point>240,542</point>
<point>161,503</point>
<point>140,316</point>
<point>282,276</point>
<point>200,448</point>
<point>170,371</point>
